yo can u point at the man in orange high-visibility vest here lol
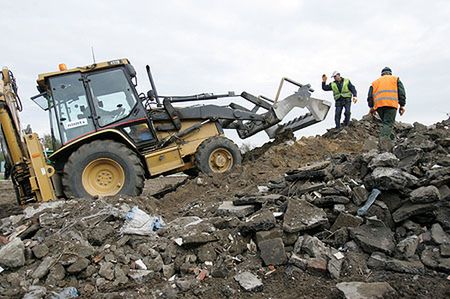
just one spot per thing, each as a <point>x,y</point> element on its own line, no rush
<point>386,95</point>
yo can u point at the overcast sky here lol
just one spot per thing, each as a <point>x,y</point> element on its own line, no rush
<point>217,46</point>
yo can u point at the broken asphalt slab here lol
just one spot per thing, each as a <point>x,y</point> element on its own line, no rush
<point>301,215</point>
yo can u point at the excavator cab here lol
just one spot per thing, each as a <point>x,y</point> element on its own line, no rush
<point>83,102</point>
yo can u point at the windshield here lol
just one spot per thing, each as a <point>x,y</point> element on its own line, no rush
<point>72,112</point>
<point>112,96</point>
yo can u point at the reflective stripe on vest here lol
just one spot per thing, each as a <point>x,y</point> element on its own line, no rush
<point>344,93</point>
<point>385,92</point>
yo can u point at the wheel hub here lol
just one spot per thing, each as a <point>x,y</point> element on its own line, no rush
<point>220,160</point>
<point>104,177</point>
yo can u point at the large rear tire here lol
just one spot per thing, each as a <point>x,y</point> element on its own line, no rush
<point>103,168</point>
<point>217,155</point>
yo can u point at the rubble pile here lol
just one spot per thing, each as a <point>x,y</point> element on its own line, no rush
<point>355,223</point>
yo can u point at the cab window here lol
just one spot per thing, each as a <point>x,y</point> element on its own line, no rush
<point>71,110</point>
<point>112,96</point>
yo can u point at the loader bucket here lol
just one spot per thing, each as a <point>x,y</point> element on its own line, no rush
<point>318,110</point>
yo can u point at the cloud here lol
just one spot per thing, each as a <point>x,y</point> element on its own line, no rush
<point>216,46</point>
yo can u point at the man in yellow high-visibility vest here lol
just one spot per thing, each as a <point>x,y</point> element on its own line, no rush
<point>343,92</point>
<point>386,95</point>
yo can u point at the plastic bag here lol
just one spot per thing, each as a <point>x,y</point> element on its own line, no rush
<point>138,222</point>
<point>69,292</point>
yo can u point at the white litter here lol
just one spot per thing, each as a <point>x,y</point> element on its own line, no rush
<point>263,189</point>
<point>178,241</point>
<point>277,214</point>
<point>339,255</point>
<point>140,264</point>
<point>138,222</point>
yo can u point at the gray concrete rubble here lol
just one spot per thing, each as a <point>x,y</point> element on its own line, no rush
<point>260,221</point>
<point>363,290</point>
<point>409,209</point>
<point>276,225</point>
<point>346,220</point>
<point>227,208</point>
<point>384,160</point>
<point>386,178</point>
<point>359,195</point>
<point>249,281</point>
<point>408,246</point>
<point>380,261</point>
<point>273,251</point>
<point>425,194</point>
<point>12,254</point>
<point>301,215</point>
<point>374,236</point>
<point>438,235</point>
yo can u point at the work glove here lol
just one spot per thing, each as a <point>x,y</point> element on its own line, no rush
<point>324,78</point>
<point>401,110</point>
<point>355,99</point>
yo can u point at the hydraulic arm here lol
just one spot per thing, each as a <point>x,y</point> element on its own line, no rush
<point>24,155</point>
<point>247,122</point>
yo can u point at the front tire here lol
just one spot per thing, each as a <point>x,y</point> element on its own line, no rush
<point>217,155</point>
<point>103,168</point>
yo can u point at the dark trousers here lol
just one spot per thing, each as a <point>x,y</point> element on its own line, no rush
<point>387,115</point>
<point>340,105</point>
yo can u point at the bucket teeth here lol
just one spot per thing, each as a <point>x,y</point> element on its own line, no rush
<point>292,125</point>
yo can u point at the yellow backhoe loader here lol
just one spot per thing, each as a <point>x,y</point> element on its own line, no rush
<point>108,138</point>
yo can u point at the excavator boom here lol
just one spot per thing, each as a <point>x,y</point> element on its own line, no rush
<point>248,122</point>
<point>24,155</point>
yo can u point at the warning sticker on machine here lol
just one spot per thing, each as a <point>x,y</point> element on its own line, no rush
<point>76,123</point>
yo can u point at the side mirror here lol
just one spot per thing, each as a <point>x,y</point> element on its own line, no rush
<point>100,104</point>
<point>82,108</point>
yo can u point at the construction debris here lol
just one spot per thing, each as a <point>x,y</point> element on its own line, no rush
<point>301,234</point>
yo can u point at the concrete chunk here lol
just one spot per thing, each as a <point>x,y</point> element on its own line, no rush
<point>385,178</point>
<point>12,254</point>
<point>359,195</point>
<point>346,220</point>
<point>43,268</point>
<point>384,160</point>
<point>374,236</point>
<point>227,208</point>
<point>257,199</point>
<point>249,281</point>
<point>272,251</point>
<point>301,215</point>
<point>438,235</point>
<point>267,235</point>
<point>330,200</point>
<point>408,210</point>
<point>362,290</point>
<point>425,194</point>
<point>407,247</point>
<point>262,220</point>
